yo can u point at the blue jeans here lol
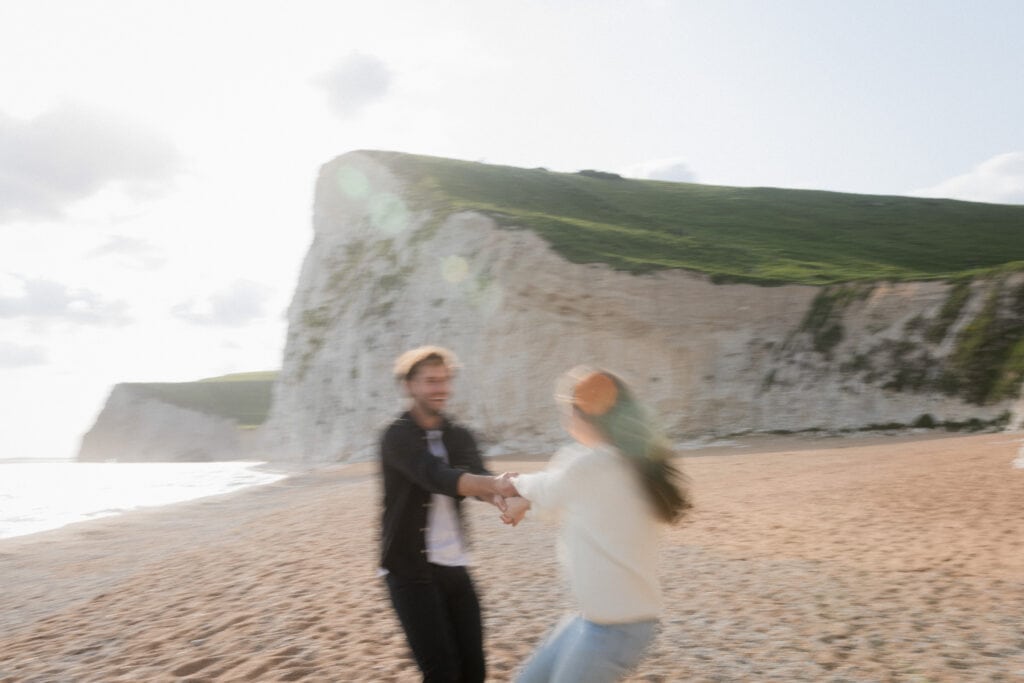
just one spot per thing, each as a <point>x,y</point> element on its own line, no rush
<point>581,651</point>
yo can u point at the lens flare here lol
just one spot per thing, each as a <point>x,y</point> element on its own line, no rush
<point>388,213</point>
<point>352,182</point>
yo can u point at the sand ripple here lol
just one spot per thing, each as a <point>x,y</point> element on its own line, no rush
<point>885,562</point>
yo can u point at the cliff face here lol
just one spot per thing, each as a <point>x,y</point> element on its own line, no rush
<point>385,274</point>
<point>134,427</point>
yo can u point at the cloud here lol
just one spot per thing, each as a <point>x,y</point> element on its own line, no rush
<point>998,180</point>
<point>130,252</point>
<point>18,356</point>
<point>356,82</point>
<point>43,300</point>
<point>244,301</point>
<point>70,153</point>
<point>672,169</point>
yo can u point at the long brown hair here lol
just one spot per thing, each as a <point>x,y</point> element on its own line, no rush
<point>606,402</point>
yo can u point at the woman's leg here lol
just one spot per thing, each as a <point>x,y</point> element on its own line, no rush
<point>603,653</point>
<point>541,664</point>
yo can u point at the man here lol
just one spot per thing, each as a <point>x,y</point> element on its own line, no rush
<point>429,465</point>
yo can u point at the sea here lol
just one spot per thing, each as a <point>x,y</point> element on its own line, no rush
<point>37,495</point>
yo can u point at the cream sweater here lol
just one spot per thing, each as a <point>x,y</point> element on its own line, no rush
<point>608,544</point>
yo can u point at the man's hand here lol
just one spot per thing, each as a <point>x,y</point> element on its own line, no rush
<point>505,486</point>
<point>516,508</point>
<point>504,489</point>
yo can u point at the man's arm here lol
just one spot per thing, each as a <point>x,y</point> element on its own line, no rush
<point>466,443</point>
<point>412,459</point>
<point>435,475</point>
<point>485,486</point>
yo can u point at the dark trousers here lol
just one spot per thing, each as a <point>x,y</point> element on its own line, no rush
<point>441,619</point>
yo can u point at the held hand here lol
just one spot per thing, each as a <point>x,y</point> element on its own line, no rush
<point>504,485</point>
<point>495,500</point>
<point>515,511</point>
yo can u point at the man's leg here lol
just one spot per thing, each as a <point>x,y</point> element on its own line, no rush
<point>424,617</point>
<point>464,610</point>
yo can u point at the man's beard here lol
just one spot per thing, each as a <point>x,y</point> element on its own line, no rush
<point>427,408</point>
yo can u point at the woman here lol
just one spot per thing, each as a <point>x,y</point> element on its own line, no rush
<point>611,489</point>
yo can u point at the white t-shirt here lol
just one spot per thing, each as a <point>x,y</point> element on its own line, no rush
<point>608,543</point>
<point>444,536</point>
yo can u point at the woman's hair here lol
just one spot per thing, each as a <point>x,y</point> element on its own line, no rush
<point>606,402</point>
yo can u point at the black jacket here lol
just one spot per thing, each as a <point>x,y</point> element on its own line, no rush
<point>411,474</point>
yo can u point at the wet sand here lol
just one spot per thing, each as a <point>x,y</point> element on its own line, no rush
<point>836,560</point>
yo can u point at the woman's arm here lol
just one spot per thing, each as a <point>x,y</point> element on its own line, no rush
<point>559,484</point>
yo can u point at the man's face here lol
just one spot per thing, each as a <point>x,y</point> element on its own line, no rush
<point>430,387</point>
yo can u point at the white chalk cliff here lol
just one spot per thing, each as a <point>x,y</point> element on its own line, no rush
<point>385,274</point>
<point>136,427</point>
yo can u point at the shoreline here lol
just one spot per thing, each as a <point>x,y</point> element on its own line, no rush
<point>896,561</point>
<point>42,494</point>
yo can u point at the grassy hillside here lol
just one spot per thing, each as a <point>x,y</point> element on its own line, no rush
<point>244,398</point>
<point>762,235</point>
<point>261,376</point>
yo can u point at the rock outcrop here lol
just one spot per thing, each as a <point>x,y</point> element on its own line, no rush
<point>386,273</point>
<point>134,427</point>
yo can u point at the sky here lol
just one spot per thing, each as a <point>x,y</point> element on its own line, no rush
<point>157,159</point>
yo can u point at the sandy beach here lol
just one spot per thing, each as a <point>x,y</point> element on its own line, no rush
<point>834,560</point>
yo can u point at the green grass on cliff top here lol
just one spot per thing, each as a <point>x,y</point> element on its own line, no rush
<point>761,235</point>
<point>244,397</point>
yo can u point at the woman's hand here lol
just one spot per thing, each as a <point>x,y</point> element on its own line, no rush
<point>515,510</point>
